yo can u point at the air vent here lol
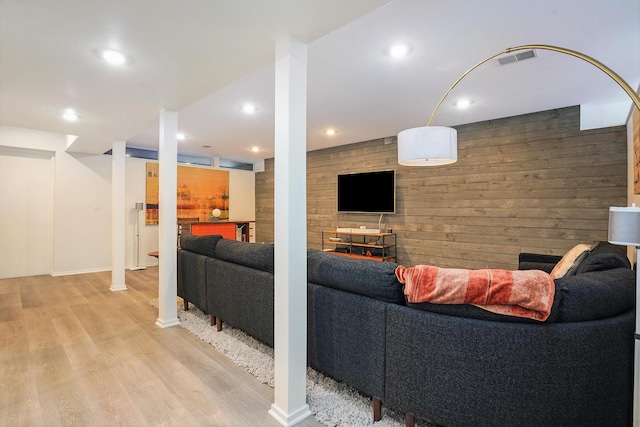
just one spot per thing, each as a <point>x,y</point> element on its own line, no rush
<point>206,146</point>
<point>517,57</point>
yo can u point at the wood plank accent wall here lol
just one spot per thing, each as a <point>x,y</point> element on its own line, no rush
<point>531,183</point>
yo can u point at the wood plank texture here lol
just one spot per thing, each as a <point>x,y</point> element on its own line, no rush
<point>530,183</point>
<point>74,353</point>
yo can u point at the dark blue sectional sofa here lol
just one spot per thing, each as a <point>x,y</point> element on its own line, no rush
<point>453,365</point>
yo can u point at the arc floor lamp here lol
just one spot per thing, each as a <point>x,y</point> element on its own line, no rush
<point>437,145</point>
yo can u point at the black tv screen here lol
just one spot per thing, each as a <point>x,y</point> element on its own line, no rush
<point>373,192</point>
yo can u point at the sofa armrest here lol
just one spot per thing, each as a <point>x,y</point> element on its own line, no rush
<point>530,261</point>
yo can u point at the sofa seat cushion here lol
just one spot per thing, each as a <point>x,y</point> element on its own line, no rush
<point>252,255</point>
<point>470,311</point>
<point>373,279</point>
<point>203,245</point>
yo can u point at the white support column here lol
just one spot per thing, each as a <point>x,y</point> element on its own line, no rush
<point>168,171</point>
<point>290,310</point>
<point>118,216</point>
<point>636,355</point>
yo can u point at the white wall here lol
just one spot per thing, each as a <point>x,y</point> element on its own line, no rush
<point>82,203</point>
<point>242,184</point>
<point>82,213</point>
<point>26,217</point>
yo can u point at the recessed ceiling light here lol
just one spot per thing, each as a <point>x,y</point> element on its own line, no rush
<point>181,136</point>
<point>255,149</point>
<point>112,56</point>
<point>398,51</point>
<point>249,108</point>
<point>70,115</point>
<point>330,132</point>
<point>463,103</point>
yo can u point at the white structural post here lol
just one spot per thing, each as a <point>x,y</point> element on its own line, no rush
<point>167,183</point>
<point>290,309</point>
<point>636,358</point>
<point>117,216</point>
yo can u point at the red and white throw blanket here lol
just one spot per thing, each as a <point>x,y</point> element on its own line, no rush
<point>522,293</point>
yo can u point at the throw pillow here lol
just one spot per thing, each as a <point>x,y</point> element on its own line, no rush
<point>570,262</point>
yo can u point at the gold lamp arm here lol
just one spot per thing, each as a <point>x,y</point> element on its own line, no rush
<point>609,72</point>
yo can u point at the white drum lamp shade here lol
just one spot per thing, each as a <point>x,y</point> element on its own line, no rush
<point>216,213</point>
<point>428,146</point>
<point>624,226</point>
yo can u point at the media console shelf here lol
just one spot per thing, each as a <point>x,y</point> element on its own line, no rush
<point>360,244</point>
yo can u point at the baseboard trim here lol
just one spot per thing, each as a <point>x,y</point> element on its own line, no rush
<point>69,273</point>
<point>96,270</point>
<point>291,419</point>
<point>167,323</point>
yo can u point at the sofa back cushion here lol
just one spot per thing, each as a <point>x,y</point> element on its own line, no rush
<point>253,255</point>
<point>595,295</point>
<point>359,276</point>
<point>605,256</point>
<point>203,245</point>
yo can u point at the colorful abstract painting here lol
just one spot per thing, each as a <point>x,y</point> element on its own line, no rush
<point>199,192</point>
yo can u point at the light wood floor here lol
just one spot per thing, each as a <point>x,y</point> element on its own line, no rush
<point>74,353</point>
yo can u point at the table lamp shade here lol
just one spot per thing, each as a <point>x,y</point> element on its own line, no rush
<point>624,226</point>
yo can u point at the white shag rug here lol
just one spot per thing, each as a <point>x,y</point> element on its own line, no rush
<point>331,402</point>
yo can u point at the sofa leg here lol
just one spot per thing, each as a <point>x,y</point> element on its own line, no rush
<point>212,319</point>
<point>377,409</point>
<point>409,420</point>
<point>219,324</point>
<point>186,304</point>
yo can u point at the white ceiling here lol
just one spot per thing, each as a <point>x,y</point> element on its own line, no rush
<point>205,58</point>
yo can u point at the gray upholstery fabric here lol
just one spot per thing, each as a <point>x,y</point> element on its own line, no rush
<point>253,255</point>
<point>605,256</point>
<point>373,279</point>
<point>193,279</point>
<point>596,295</point>
<point>530,261</point>
<point>180,287</point>
<point>465,372</point>
<point>203,245</point>
<point>603,285</point>
<point>444,367</point>
<point>346,338</point>
<point>589,296</point>
<point>242,297</point>
<point>473,312</point>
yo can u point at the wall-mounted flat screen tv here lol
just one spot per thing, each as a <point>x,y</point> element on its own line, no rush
<point>368,192</point>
